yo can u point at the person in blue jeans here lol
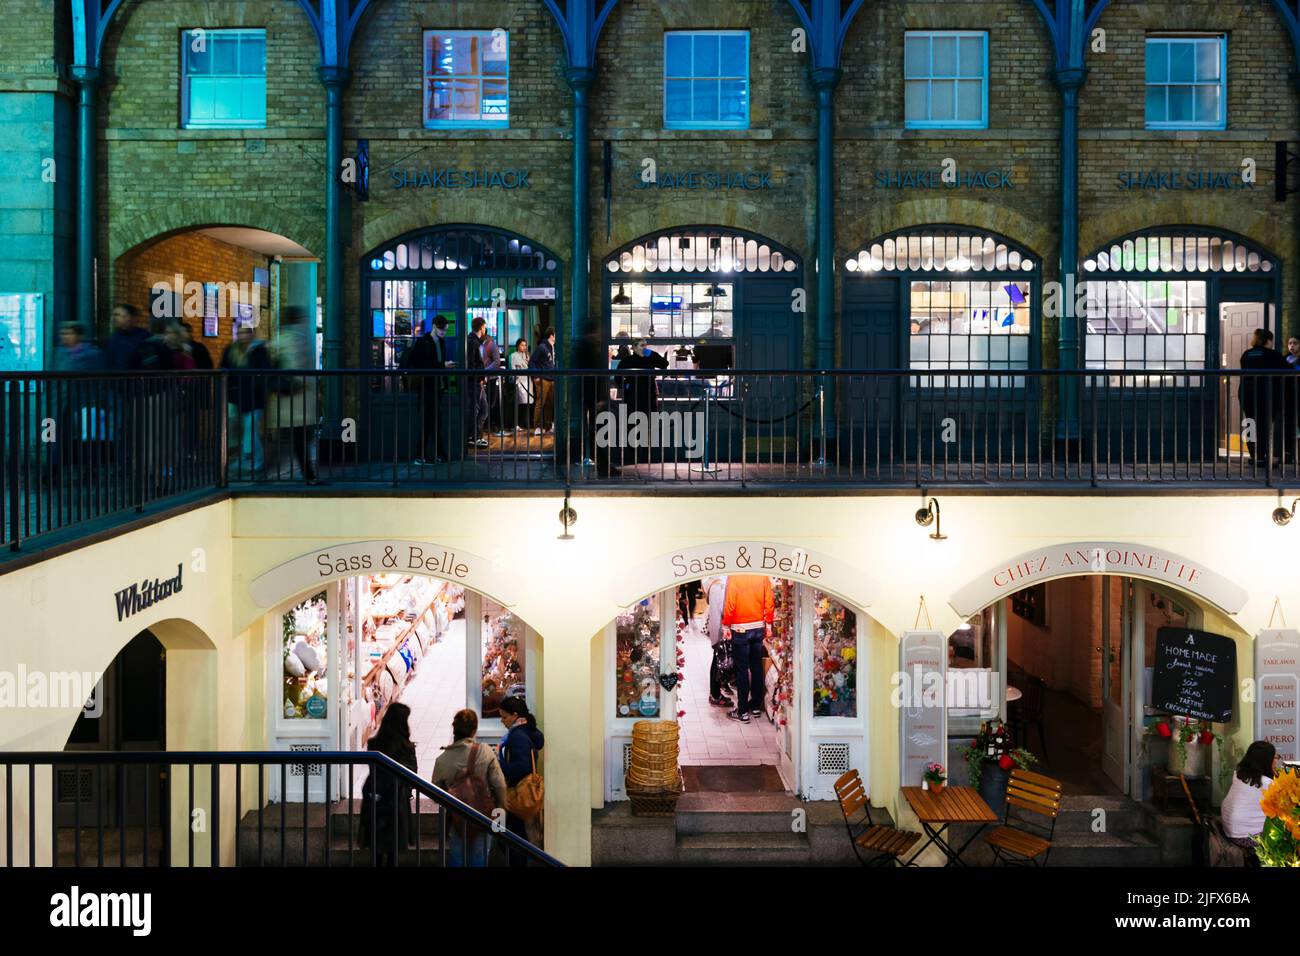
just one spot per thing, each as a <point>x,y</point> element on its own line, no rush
<point>748,612</point>
<point>469,771</point>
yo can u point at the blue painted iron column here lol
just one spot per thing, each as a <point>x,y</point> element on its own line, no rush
<point>825,81</point>
<point>335,78</point>
<point>87,79</point>
<point>1069,81</point>
<point>580,80</point>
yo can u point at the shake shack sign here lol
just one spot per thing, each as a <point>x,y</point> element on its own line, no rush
<point>137,597</point>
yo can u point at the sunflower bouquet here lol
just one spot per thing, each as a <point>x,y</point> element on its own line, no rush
<point>1279,844</point>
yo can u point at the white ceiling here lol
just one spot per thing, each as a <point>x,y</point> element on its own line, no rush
<point>258,240</point>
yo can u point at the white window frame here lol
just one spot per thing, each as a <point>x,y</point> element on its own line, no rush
<point>1194,39</point>
<point>187,121</point>
<point>479,78</point>
<point>930,78</point>
<point>707,124</point>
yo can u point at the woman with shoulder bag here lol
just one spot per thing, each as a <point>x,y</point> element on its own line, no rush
<point>386,799</point>
<point>466,769</point>
<point>518,755</point>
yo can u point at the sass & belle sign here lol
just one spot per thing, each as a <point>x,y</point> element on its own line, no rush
<point>1194,674</point>
<point>1277,691</point>
<point>750,557</point>
<point>1096,557</point>
<point>920,690</point>
<point>367,557</point>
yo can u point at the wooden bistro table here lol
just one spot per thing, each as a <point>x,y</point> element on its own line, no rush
<point>938,811</point>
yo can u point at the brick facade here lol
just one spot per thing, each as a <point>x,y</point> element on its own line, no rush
<point>156,179</point>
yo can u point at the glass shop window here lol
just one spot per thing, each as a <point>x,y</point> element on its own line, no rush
<point>223,79</point>
<point>835,658</point>
<point>636,661</point>
<point>706,79</point>
<point>969,325</point>
<point>504,652</point>
<point>466,78</point>
<point>304,631</point>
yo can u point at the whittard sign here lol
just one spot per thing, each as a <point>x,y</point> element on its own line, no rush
<point>137,597</point>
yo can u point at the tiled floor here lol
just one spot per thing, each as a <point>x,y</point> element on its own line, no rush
<point>709,738</point>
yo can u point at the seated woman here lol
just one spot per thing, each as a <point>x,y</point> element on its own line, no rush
<point>1241,813</point>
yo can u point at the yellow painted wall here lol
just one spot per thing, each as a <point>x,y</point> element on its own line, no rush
<point>568,590</point>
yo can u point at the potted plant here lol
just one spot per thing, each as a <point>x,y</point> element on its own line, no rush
<point>990,758</point>
<point>1279,843</point>
<point>1189,744</point>
<point>934,776</point>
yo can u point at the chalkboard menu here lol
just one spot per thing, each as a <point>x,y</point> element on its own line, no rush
<point>1195,674</point>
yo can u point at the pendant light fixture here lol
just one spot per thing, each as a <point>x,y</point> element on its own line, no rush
<point>621,297</point>
<point>716,292</point>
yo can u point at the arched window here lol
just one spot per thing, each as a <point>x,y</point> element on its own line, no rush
<point>684,291</point>
<point>1153,300</point>
<point>458,273</point>
<point>967,297</point>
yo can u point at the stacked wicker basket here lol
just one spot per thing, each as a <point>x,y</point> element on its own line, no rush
<point>654,781</point>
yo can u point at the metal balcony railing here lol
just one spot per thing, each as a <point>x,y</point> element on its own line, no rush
<point>172,808</point>
<point>81,451</point>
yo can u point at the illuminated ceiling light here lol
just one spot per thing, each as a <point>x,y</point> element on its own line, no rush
<point>960,264</point>
<point>1282,516</point>
<point>930,515</point>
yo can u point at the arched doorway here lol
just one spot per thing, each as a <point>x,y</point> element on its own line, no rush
<point>341,653</point>
<point>940,298</point>
<point>666,658</point>
<point>1161,308</point>
<point>459,273</point>
<point>1068,665</point>
<point>706,297</point>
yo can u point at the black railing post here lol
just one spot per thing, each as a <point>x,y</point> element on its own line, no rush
<point>222,411</point>
<point>13,467</point>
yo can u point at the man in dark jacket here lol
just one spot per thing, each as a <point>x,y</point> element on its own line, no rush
<point>153,354</point>
<point>542,359</point>
<point>429,353</point>
<point>475,390</point>
<point>79,405</point>
<point>247,394</point>
<point>1264,398</point>
<point>126,338</point>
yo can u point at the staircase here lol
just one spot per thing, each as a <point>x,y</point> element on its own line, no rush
<point>739,829</point>
<point>1128,838</point>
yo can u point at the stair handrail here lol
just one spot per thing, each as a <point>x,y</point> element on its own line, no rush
<point>220,758</point>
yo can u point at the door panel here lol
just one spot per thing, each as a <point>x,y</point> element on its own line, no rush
<point>870,340</point>
<point>1114,758</point>
<point>1237,320</point>
<point>771,338</point>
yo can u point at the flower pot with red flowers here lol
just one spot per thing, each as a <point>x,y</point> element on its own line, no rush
<point>934,776</point>
<point>1189,742</point>
<point>990,758</point>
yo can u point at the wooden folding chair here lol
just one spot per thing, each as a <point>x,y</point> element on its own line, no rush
<point>886,843</point>
<point>1030,838</point>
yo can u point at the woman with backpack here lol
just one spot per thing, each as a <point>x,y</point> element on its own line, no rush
<point>386,799</point>
<point>466,769</point>
<point>518,755</point>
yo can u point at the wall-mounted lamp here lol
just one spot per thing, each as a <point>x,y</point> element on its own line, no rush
<point>1282,516</point>
<point>930,514</point>
<point>568,518</point>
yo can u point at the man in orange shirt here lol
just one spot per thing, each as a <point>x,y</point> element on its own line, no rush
<point>747,612</point>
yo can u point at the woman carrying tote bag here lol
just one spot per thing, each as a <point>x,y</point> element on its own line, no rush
<point>518,755</point>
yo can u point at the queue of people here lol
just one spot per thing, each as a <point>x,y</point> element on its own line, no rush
<point>1271,406</point>
<point>484,779</point>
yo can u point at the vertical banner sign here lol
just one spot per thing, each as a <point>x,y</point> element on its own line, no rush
<point>923,718</point>
<point>1277,691</point>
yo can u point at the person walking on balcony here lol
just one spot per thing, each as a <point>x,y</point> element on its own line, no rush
<point>518,754</point>
<point>1265,400</point>
<point>747,612</point>
<point>518,362</point>
<point>429,353</point>
<point>78,405</point>
<point>476,403</point>
<point>292,409</point>
<point>126,338</point>
<point>492,363</point>
<point>247,396</point>
<point>386,797</point>
<point>471,773</point>
<point>202,357</point>
<point>1293,353</point>
<point>543,360</point>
